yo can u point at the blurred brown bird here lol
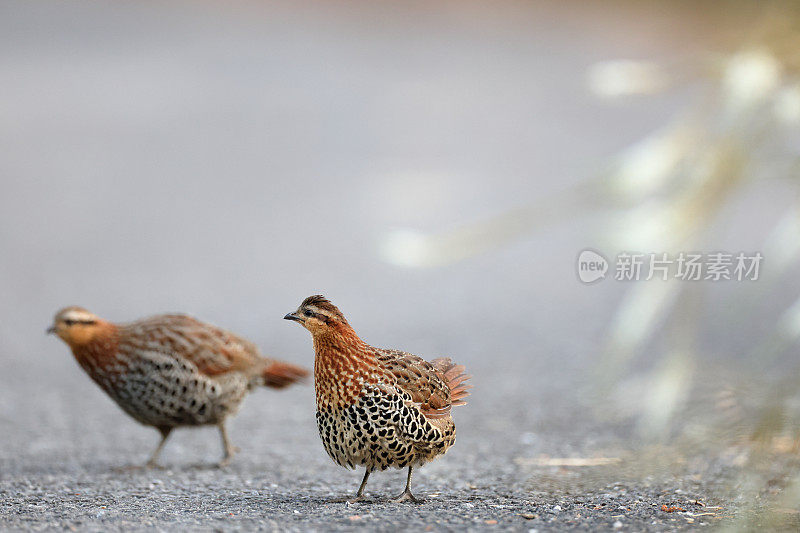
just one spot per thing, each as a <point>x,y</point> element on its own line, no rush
<point>169,371</point>
<point>378,408</point>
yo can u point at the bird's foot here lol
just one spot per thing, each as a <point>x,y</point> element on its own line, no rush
<point>406,496</point>
<point>149,465</point>
<point>229,453</point>
<point>226,460</point>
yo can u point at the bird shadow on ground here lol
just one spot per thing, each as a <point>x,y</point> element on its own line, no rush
<point>93,468</point>
<point>145,468</point>
<point>345,501</point>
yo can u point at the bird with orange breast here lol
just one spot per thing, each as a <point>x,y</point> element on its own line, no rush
<point>378,408</point>
<point>171,371</point>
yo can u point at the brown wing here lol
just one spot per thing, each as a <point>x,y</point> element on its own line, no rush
<point>435,386</point>
<point>213,350</point>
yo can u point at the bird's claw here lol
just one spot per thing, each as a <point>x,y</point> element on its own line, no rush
<point>406,496</point>
<point>233,450</point>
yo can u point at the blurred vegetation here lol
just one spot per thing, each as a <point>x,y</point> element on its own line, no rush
<point>740,131</point>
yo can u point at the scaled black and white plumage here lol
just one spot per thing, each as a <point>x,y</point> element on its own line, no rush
<point>378,408</point>
<point>170,371</point>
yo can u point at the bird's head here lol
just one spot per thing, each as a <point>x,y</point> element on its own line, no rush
<point>319,316</point>
<point>76,326</point>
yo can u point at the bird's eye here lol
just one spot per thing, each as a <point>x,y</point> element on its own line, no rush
<point>69,322</point>
<point>308,313</point>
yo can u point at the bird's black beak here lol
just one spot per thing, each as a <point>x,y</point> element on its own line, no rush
<point>51,329</point>
<point>293,316</point>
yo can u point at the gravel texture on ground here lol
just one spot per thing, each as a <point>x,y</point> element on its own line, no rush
<point>82,471</point>
<point>229,159</point>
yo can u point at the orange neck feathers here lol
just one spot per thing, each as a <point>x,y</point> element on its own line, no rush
<point>97,346</point>
<point>343,364</point>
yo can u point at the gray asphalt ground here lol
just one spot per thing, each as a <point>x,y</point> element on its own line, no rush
<point>228,162</point>
<point>68,469</point>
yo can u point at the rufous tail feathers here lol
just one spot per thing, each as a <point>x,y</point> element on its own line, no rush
<point>278,374</point>
<point>456,379</point>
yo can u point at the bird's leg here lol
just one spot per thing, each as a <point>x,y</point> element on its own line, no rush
<point>406,494</point>
<point>153,462</point>
<point>230,449</point>
<point>360,494</point>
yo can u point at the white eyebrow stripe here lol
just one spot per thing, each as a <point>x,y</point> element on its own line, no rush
<point>79,316</point>
<point>318,311</point>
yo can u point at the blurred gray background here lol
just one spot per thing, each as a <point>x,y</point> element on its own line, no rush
<point>434,169</point>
